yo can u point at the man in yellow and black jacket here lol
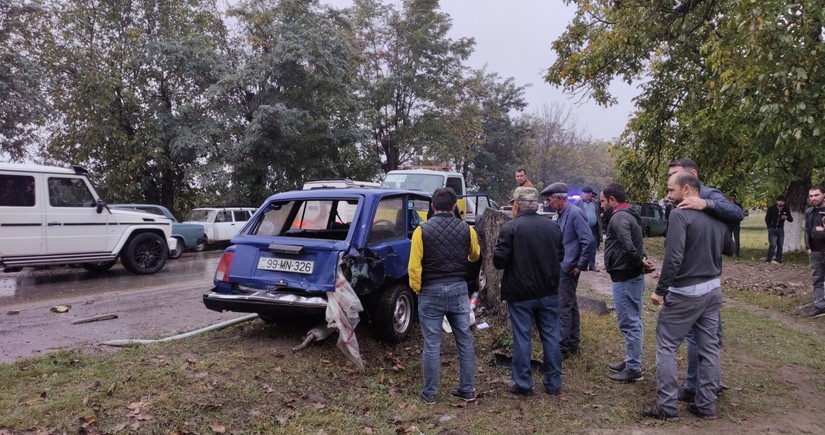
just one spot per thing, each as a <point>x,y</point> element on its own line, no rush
<point>440,255</point>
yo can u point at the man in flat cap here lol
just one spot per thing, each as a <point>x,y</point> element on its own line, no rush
<point>593,210</point>
<point>529,250</point>
<point>577,239</point>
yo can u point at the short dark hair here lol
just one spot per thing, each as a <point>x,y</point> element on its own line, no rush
<point>684,163</point>
<point>686,178</point>
<point>780,198</point>
<point>616,191</point>
<point>521,170</point>
<point>818,187</point>
<point>444,199</point>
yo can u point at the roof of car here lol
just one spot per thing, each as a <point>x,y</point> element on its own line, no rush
<point>352,192</point>
<point>424,171</point>
<point>27,167</point>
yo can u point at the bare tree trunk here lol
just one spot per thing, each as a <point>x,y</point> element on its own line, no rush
<point>488,227</point>
<point>797,200</point>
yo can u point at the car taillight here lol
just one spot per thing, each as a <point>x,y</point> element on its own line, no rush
<point>223,267</point>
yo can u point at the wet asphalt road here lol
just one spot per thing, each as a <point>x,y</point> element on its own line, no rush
<point>153,306</point>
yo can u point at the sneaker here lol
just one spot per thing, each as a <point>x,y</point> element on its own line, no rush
<point>426,399</point>
<point>775,262</point>
<point>695,411</point>
<point>467,397</point>
<point>627,376</point>
<point>552,391</point>
<point>658,413</point>
<point>617,367</point>
<point>817,312</point>
<point>515,389</point>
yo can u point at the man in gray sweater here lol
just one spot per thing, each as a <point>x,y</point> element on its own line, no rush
<point>689,290</point>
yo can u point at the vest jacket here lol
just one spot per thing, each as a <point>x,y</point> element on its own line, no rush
<point>446,243</point>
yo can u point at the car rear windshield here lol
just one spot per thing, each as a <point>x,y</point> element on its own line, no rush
<point>311,218</point>
<point>425,182</point>
<point>198,216</point>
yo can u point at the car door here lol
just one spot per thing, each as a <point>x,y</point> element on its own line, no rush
<point>21,219</point>
<point>388,237</point>
<point>73,224</point>
<point>225,226</point>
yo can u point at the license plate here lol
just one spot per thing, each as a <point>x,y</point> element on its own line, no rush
<point>284,265</point>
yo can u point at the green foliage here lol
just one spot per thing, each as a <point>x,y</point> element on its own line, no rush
<point>737,86</point>
<point>22,106</point>
<point>293,112</point>
<point>408,64</point>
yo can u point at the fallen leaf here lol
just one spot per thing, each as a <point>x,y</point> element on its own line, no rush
<point>325,361</point>
<point>61,308</point>
<point>136,405</point>
<point>267,389</point>
<point>396,418</point>
<point>367,430</point>
<point>393,392</point>
<point>135,425</point>
<point>282,419</point>
<point>94,385</point>
<point>589,393</point>
<point>12,312</point>
<point>445,419</point>
<point>111,389</point>
<point>33,399</point>
<point>217,428</point>
<point>200,375</point>
<point>319,406</point>
<point>118,427</point>
<point>145,417</point>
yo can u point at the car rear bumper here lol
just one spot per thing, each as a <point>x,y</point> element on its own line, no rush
<point>263,302</point>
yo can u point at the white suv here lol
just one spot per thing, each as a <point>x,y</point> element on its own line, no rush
<point>53,216</point>
<point>219,223</point>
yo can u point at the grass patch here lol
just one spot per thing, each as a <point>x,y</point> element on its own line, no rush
<point>246,380</point>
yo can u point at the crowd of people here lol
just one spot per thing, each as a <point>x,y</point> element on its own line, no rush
<point>542,261</point>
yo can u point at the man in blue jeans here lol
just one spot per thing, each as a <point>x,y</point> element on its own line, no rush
<point>625,260</point>
<point>716,205</point>
<point>529,249</point>
<point>775,219</point>
<point>441,250</point>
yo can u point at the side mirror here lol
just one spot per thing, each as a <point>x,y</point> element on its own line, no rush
<point>100,204</point>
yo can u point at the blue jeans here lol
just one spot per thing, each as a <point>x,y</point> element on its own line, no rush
<point>627,296</point>
<point>776,238</point>
<point>434,302</point>
<point>544,312</point>
<point>693,359</point>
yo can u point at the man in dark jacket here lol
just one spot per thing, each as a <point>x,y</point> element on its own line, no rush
<point>815,246</point>
<point>775,219</point>
<point>529,249</point>
<point>625,260</point>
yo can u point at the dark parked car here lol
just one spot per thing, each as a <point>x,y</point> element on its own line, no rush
<point>653,219</point>
<point>284,261</point>
<point>188,235</point>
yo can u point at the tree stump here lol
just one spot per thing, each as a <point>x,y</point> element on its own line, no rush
<point>488,227</point>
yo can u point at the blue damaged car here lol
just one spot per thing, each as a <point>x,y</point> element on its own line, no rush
<point>284,261</point>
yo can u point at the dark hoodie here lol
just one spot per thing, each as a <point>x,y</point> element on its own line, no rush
<point>624,248</point>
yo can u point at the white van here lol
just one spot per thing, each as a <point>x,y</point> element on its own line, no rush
<point>53,216</point>
<point>219,223</point>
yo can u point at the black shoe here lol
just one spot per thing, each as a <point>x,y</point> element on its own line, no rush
<point>685,395</point>
<point>627,376</point>
<point>552,391</point>
<point>515,389</point>
<point>695,411</point>
<point>467,397</point>
<point>568,354</point>
<point>817,312</point>
<point>617,367</point>
<point>658,413</point>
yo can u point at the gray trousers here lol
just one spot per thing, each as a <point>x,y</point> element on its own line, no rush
<point>679,315</point>
<point>818,277</point>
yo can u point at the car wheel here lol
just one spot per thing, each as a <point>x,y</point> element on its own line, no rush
<point>394,312</point>
<point>482,279</point>
<point>99,267</point>
<point>200,247</point>
<point>145,254</point>
<point>269,320</point>
<point>174,255</point>
<point>647,231</point>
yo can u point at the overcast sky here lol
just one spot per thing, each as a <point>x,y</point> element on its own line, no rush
<point>513,39</point>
